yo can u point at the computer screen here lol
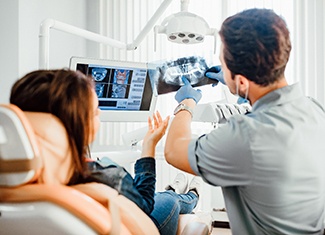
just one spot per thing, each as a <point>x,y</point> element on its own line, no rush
<point>124,89</point>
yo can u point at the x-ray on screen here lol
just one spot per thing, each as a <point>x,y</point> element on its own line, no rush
<point>123,88</point>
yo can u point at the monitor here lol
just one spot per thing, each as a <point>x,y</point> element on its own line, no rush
<point>124,89</point>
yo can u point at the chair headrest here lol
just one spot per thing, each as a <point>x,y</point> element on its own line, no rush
<point>33,148</point>
<point>20,160</point>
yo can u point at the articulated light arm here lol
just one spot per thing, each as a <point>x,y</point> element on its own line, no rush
<point>163,6</point>
<point>44,36</point>
<point>44,39</point>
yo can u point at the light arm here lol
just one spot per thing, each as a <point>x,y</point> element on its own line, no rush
<point>163,6</point>
<point>46,25</point>
<point>44,38</point>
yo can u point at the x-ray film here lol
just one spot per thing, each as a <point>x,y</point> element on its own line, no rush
<point>167,75</point>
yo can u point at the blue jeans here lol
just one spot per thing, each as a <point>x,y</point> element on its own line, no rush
<point>162,207</point>
<point>168,206</point>
<point>140,189</point>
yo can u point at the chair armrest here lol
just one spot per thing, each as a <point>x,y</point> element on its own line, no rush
<point>79,204</point>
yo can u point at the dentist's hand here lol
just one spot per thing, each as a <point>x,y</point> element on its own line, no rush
<point>188,92</point>
<point>215,73</point>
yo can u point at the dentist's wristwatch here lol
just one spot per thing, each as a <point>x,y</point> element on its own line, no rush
<point>181,107</point>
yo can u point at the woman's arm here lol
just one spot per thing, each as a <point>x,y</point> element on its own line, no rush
<point>156,130</point>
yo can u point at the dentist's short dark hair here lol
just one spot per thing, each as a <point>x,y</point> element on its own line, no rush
<point>256,44</point>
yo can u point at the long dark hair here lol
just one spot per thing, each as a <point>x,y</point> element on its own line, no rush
<point>67,95</point>
<point>256,45</point>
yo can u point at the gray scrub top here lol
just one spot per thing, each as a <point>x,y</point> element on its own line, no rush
<point>270,165</point>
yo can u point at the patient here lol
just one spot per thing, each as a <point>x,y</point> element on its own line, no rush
<point>71,97</point>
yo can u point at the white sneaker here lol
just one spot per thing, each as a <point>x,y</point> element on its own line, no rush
<point>179,184</point>
<point>195,185</point>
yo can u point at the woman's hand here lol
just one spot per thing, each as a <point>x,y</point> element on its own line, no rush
<point>156,130</point>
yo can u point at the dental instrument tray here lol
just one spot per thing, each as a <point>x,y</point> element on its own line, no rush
<point>218,112</point>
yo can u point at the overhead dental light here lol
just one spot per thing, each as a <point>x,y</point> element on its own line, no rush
<point>185,27</point>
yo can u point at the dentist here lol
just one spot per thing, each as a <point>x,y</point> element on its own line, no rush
<point>269,162</point>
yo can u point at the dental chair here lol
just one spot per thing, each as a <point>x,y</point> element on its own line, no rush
<point>34,199</point>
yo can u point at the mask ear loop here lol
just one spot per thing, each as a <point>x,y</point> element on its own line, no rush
<point>237,86</point>
<point>246,93</point>
<point>237,89</point>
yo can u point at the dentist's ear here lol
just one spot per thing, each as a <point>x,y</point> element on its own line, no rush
<point>242,88</point>
<point>241,82</point>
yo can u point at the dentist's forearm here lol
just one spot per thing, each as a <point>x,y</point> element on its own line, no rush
<point>178,139</point>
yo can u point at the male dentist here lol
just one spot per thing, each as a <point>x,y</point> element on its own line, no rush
<point>268,162</point>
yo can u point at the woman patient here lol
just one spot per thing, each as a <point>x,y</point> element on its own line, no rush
<point>71,97</point>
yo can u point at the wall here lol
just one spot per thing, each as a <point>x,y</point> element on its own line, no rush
<point>19,27</point>
<point>8,46</point>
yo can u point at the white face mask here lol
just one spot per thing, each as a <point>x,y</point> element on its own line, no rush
<point>242,99</point>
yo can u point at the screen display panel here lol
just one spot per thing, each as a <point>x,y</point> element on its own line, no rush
<point>124,89</point>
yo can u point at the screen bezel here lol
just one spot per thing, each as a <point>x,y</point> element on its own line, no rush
<point>119,115</point>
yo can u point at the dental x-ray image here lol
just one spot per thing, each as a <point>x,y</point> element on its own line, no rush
<point>121,76</point>
<point>120,81</point>
<point>167,76</point>
<point>99,74</point>
<point>101,78</point>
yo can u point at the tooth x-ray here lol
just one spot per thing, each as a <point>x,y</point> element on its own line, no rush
<point>167,76</point>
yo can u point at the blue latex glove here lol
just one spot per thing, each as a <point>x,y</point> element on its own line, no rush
<point>215,73</point>
<point>188,92</point>
<point>242,100</point>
